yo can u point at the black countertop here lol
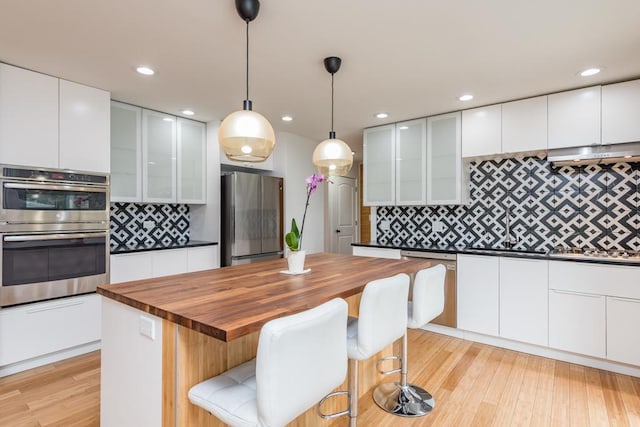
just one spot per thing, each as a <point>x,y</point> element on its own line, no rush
<point>518,252</point>
<point>141,247</point>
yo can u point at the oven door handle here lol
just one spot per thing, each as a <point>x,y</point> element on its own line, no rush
<point>54,187</point>
<point>32,237</point>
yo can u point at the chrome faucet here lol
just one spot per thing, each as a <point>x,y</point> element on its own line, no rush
<point>508,241</point>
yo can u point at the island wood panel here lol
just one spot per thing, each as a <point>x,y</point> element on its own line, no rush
<point>231,302</point>
<point>200,357</point>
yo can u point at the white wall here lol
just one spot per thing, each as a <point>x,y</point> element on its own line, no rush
<point>293,162</point>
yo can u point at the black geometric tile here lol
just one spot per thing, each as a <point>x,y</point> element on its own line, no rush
<point>127,224</point>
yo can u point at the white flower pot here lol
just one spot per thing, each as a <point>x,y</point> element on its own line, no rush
<point>296,261</point>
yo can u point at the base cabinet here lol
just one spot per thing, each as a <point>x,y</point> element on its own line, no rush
<point>577,322</point>
<point>478,278</point>
<point>623,339</point>
<point>34,330</point>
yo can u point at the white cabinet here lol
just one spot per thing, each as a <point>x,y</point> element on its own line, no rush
<point>478,284</point>
<point>84,128</point>
<point>128,267</point>
<point>524,300</point>
<point>28,117</point>
<point>577,322</point>
<point>621,112</point>
<point>379,166</point>
<point>37,329</point>
<point>623,339</point>
<point>158,157</point>
<point>481,131</point>
<point>574,118</point>
<point>192,158</point>
<point>410,154</point>
<point>447,176</point>
<point>524,125</point>
<point>376,252</point>
<point>126,152</point>
<point>52,123</point>
<point>202,258</point>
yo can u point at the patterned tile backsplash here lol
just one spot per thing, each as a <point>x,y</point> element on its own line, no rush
<point>591,205</point>
<point>170,224</point>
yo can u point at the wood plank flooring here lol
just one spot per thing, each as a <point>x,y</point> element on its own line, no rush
<point>474,385</point>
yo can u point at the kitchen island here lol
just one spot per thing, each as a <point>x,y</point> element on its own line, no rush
<point>162,336</point>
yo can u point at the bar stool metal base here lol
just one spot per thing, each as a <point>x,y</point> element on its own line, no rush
<point>407,401</point>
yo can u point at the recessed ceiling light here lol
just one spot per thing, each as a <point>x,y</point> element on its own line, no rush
<point>466,97</point>
<point>590,72</point>
<point>143,69</point>
<point>382,115</point>
<point>404,127</point>
<point>287,118</point>
<point>188,112</point>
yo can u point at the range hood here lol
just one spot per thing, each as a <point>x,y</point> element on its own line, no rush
<point>614,153</point>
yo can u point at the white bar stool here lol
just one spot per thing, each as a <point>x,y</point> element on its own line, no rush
<point>300,359</point>
<point>404,399</point>
<point>382,319</point>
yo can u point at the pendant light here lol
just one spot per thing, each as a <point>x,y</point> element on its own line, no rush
<point>332,157</point>
<point>244,135</point>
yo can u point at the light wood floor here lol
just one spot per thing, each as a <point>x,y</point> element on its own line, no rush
<point>474,385</point>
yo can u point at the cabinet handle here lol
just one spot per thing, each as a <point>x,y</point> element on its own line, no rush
<point>54,307</point>
<point>576,293</point>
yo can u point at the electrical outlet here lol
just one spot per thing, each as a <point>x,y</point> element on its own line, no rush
<point>438,226</point>
<point>147,327</point>
<point>148,225</point>
<point>385,225</point>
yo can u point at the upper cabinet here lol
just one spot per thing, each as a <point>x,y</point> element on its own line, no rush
<point>192,157</point>
<point>574,118</point>
<point>447,179</point>
<point>52,123</point>
<point>524,125</point>
<point>156,157</point>
<point>481,131</point>
<point>379,169</point>
<point>410,155</point>
<point>621,112</point>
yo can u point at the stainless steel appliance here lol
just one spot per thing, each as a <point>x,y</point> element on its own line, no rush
<point>54,233</point>
<point>449,316</point>
<point>252,223</point>
<point>620,255</point>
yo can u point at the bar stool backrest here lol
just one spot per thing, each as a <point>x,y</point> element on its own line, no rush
<point>428,296</point>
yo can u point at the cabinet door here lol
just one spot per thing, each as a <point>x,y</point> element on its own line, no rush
<point>524,295</point>
<point>129,267</point>
<point>577,322</point>
<point>192,156</point>
<point>169,261</point>
<point>481,131</point>
<point>621,112</point>
<point>574,118</point>
<point>623,340</point>
<point>37,329</point>
<point>84,128</point>
<point>411,150</point>
<point>376,252</point>
<point>28,118</point>
<point>202,258</point>
<point>158,157</point>
<point>478,279</point>
<point>379,166</point>
<point>444,160</point>
<point>524,125</point>
<point>126,153</point>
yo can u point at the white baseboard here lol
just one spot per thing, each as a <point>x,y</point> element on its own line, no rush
<point>24,365</point>
<point>550,353</point>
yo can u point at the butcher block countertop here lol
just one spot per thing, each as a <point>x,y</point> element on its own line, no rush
<point>231,302</point>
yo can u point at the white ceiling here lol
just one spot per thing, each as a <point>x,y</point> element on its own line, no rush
<point>410,58</point>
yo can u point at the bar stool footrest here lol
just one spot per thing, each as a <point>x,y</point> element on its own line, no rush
<point>404,401</point>
<point>335,414</point>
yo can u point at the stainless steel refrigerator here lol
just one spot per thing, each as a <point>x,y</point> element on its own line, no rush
<point>252,221</point>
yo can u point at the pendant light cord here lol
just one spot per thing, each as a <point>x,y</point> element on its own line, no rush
<point>332,102</point>
<point>247,61</point>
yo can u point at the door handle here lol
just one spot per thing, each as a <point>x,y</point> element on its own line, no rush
<point>337,231</point>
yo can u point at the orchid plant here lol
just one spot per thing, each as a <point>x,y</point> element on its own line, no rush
<point>294,237</point>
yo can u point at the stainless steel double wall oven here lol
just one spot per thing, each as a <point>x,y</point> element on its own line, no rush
<point>54,229</point>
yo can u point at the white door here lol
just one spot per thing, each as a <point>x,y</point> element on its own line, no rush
<point>343,211</point>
